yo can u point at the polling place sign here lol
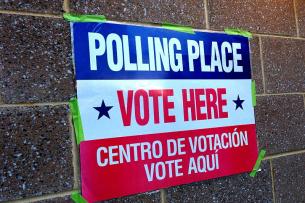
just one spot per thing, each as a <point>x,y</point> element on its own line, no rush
<point>160,108</point>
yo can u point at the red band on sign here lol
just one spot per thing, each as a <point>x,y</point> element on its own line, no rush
<point>127,165</point>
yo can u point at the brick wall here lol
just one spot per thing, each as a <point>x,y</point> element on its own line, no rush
<point>38,154</point>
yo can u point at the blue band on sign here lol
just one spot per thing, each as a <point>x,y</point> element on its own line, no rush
<point>119,51</point>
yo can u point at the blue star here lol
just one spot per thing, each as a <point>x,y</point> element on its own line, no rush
<point>238,103</point>
<point>103,110</point>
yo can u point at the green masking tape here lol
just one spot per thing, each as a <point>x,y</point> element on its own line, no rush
<point>260,157</point>
<point>235,31</point>
<point>178,28</point>
<point>253,90</point>
<point>84,18</point>
<point>78,198</point>
<point>77,122</point>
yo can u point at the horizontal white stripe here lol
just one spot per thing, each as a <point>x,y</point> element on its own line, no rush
<point>92,92</point>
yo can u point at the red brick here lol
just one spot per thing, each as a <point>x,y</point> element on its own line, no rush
<point>187,12</point>
<point>284,64</point>
<point>260,16</point>
<point>36,151</point>
<point>36,63</point>
<point>280,123</point>
<point>37,6</point>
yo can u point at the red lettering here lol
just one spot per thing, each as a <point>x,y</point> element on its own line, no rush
<point>125,112</point>
<point>211,99</point>
<point>200,104</point>
<point>141,120</point>
<point>141,101</point>
<point>168,105</point>
<point>222,102</point>
<point>188,104</point>
<point>155,96</point>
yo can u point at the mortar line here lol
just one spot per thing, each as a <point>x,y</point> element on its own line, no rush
<point>10,12</point>
<point>262,62</point>
<point>207,25</point>
<point>75,155</point>
<point>34,104</point>
<point>272,180</point>
<point>284,154</point>
<point>280,94</point>
<point>43,197</point>
<point>136,23</point>
<point>296,18</point>
<point>304,100</point>
<point>264,35</point>
<point>66,6</point>
<point>150,24</point>
<point>278,36</point>
<point>163,195</point>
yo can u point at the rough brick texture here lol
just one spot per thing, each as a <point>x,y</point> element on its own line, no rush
<point>257,74</point>
<point>141,198</point>
<point>300,11</point>
<point>238,188</point>
<point>35,64</point>
<point>289,178</point>
<point>36,151</point>
<point>284,64</point>
<point>260,16</point>
<point>37,6</point>
<point>280,123</point>
<point>65,199</point>
<point>187,12</point>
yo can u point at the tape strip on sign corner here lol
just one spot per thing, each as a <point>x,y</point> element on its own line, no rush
<point>253,90</point>
<point>235,31</point>
<point>77,122</point>
<point>260,157</point>
<point>78,198</point>
<point>178,28</point>
<point>72,17</point>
